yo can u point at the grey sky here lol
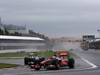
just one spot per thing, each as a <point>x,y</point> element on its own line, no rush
<point>53,17</point>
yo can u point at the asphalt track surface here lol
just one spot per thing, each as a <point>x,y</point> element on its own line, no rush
<point>88,63</point>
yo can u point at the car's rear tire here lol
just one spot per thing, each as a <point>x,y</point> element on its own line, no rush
<point>26,61</point>
<point>71,66</point>
<point>71,63</point>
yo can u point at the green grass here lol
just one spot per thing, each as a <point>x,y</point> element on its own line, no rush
<point>3,65</point>
<point>23,54</point>
<point>45,53</point>
<point>17,54</point>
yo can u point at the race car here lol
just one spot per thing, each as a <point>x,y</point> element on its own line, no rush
<point>36,63</point>
<point>51,64</point>
<point>66,59</point>
<point>61,59</point>
<point>30,59</point>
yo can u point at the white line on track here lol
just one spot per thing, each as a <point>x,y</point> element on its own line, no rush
<point>90,63</point>
<point>87,61</point>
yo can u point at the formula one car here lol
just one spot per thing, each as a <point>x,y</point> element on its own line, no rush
<point>66,59</point>
<point>34,62</point>
<point>51,64</point>
<point>30,59</point>
<point>61,59</point>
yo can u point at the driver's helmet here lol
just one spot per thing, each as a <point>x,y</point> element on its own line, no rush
<point>37,58</point>
<point>55,56</point>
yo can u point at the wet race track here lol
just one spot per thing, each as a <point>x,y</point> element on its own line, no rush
<point>86,62</point>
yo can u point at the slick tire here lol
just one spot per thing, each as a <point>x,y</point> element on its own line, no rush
<point>26,61</point>
<point>71,64</point>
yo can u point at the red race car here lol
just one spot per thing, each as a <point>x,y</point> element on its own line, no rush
<point>61,59</point>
